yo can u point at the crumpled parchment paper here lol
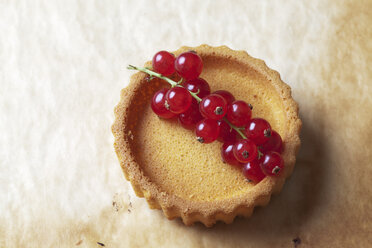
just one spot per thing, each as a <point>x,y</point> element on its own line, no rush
<point>62,65</point>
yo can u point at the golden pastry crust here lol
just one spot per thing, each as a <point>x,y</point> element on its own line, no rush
<point>134,99</point>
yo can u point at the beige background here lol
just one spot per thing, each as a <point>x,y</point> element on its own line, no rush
<point>62,65</point>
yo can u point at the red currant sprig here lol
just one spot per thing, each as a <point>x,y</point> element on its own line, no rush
<point>225,118</point>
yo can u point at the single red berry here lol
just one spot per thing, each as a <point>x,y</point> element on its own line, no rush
<point>239,113</point>
<point>189,65</point>
<point>229,98</point>
<point>213,107</point>
<point>245,150</point>
<point>253,172</point>
<point>227,154</point>
<point>192,116</point>
<point>158,104</point>
<point>272,164</point>
<point>207,131</point>
<point>178,100</point>
<point>196,85</point>
<point>226,132</point>
<point>274,143</point>
<point>163,63</point>
<point>258,130</point>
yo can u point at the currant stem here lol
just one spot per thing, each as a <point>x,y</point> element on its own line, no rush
<point>176,84</point>
<point>152,73</point>
<point>158,75</point>
<point>237,129</point>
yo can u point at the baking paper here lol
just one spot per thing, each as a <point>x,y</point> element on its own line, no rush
<point>62,66</point>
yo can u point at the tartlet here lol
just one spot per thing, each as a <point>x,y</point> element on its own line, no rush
<point>187,179</point>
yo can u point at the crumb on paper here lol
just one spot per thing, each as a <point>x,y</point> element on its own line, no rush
<point>121,202</point>
<point>79,242</point>
<point>296,242</point>
<point>101,244</point>
<point>116,206</point>
<point>130,207</point>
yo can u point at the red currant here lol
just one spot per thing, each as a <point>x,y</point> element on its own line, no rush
<point>245,150</point>
<point>253,172</point>
<point>227,154</point>
<point>274,143</point>
<point>239,113</point>
<point>207,131</point>
<point>272,164</point>
<point>213,107</point>
<point>189,65</point>
<point>229,98</point>
<point>192,116</point>
<point>196,85</point>
<point>226,132</point>
<point>157,104</point>
<point>163,63</point>
<point>178,100</point>
<point>258,130</point>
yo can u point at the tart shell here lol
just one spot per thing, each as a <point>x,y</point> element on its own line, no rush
<point>129,109</point>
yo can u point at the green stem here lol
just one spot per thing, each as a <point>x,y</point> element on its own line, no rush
<point>235,128</point>
<point>152,73</point>
<point>175,84</point>
<point>158,75</point>
<point>198,99</point>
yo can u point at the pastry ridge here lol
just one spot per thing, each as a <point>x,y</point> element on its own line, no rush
<point>207,212</point>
